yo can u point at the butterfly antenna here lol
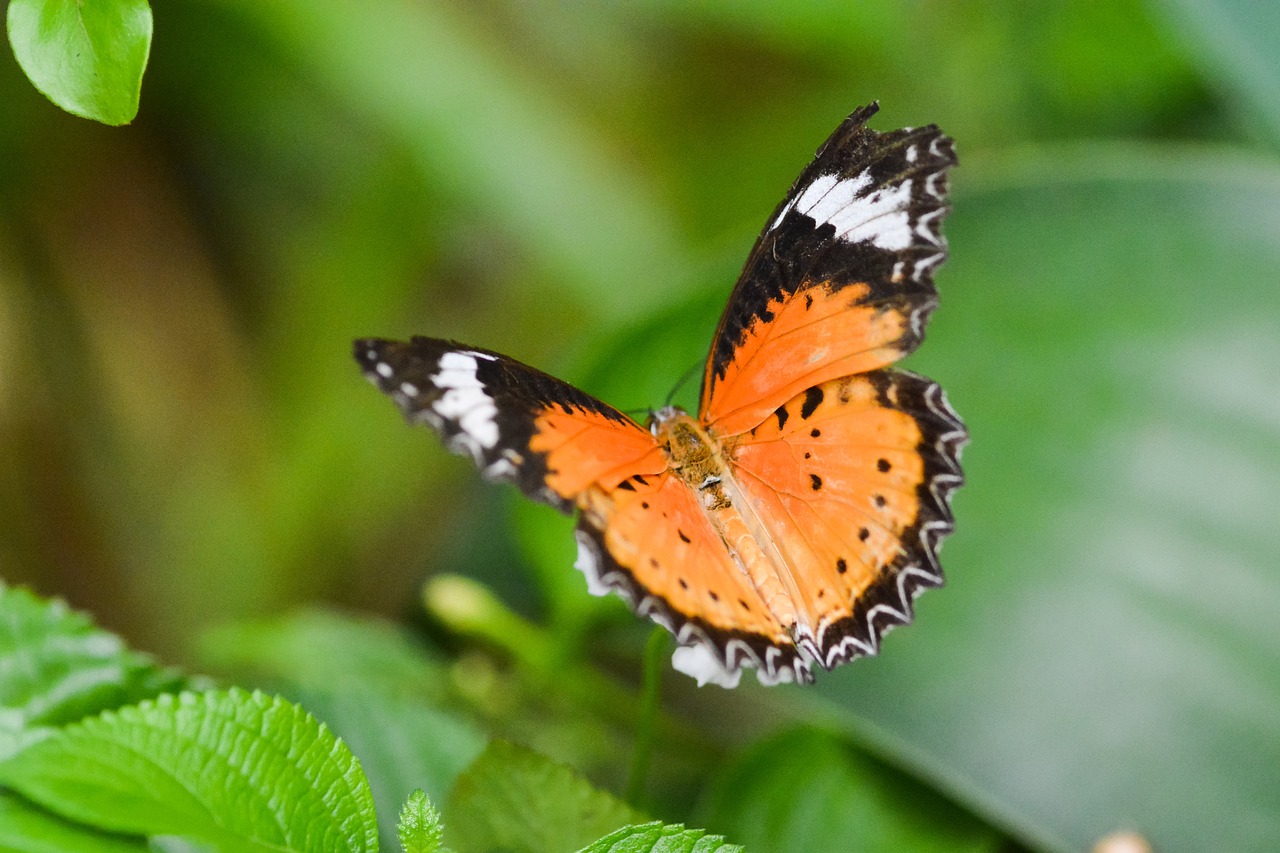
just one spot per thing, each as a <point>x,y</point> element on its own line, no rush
<point>683,379</point>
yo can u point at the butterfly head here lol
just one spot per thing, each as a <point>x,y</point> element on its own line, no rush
<point>659,421</point>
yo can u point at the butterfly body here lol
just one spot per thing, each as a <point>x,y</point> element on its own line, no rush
<point>794,518</point>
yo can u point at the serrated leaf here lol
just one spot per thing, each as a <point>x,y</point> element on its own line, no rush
<point>239,771</point>
<point>87,56</point>
<point>514,800</point>
<point>56,666</point>
<point>808,790</point>
<point>419,827</point>
<point>668,838</point>
<point>25,828</point>
<point>402,744</point>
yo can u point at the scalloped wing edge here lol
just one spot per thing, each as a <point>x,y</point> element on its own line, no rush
<point>860,633</point>
<point>708,654</point>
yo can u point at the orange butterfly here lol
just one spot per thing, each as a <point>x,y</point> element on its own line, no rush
<point>795,519</point>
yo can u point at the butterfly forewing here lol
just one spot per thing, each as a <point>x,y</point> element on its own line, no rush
<point>518,424</point>
<point>841,279</point>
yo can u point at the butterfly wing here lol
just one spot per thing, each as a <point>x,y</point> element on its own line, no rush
<point>651,541</point>
<point>518,424</point>
<point>840,281</point>
<point>848,466</point>
<point>855,489</point>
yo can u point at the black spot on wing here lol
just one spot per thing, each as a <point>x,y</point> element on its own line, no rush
<point>734,648</point>
<point>889,600</point>
<point>812,399</point>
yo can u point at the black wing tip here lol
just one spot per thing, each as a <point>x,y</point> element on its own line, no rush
<point>863,113</point>
<point>366,350</point>
<point>942,150</point>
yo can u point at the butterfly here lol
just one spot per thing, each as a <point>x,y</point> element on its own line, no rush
<point>796,517</point>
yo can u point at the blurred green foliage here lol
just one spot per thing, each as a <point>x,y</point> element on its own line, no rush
<point>187,442</point>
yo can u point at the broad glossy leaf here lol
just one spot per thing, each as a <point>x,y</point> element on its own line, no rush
<point>808,790</point>
<point>238,771</point>
<point>87,56</point>
<point>515,800</point>
<point>1106,653</point>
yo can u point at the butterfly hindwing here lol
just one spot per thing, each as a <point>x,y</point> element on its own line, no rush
<point>840,281</point>
<point>650,541</point>
<point>518,423</point>
<point>853,478</point>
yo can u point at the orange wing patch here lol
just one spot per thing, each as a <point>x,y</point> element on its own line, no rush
<point>584,448</point>
<point>819,332</point>
<point>852,479</point>
<point>649,540</point>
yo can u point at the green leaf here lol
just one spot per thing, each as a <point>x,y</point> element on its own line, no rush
<point>1107,653</point>
<point>419,827</point>
<point>402,744</point>
<point>514,800</point>
<point>87,56</point>
<point>56,666</point>
<point>27,829</point>
<point>372,683</point>
<point>667,838</point>
<point>808,790</point>
<point>239,771</point>
<point>326,651</point>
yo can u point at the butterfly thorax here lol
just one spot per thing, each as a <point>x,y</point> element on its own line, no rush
<point>693,454</point>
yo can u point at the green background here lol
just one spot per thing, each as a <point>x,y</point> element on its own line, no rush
<point>185,439</point>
